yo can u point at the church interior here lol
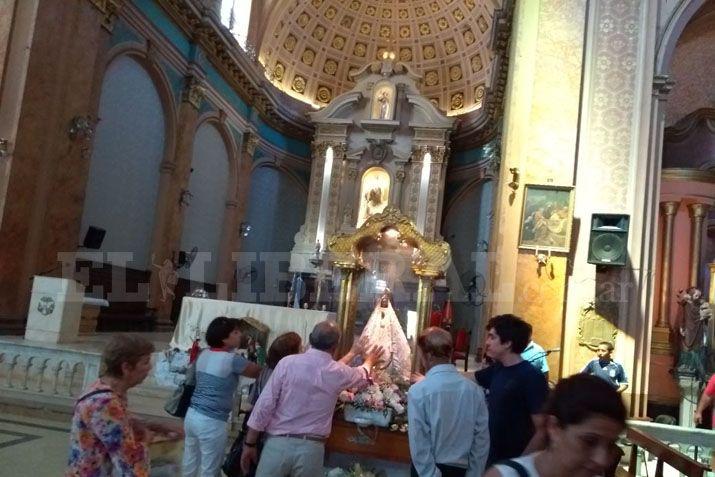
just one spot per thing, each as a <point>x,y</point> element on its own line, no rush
<point>165,162</point>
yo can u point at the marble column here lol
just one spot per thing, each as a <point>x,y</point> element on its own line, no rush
<point>669,210</point>
<point>660,342</point>
<point>697,215</point>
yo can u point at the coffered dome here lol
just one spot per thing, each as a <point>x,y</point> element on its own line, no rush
<point>310,46</point>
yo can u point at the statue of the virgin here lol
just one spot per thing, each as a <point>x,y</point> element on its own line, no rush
<point>384,329</point>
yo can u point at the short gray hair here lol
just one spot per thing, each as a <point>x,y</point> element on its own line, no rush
<point>325,336</point>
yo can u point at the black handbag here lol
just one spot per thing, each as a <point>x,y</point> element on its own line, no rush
<point>178,404</point>
<point>232,464</point>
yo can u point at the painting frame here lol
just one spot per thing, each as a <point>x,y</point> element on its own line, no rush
<point>546,218</point>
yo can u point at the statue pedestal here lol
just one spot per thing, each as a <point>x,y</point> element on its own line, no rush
<point>689,395</point>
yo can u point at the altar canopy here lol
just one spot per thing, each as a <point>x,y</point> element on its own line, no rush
<point>197,313</point>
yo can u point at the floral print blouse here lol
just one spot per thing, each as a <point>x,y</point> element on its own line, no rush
<point>103,442</point>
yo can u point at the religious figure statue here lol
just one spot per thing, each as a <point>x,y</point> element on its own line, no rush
<point>373,199</point>
<point>384,100</point>
<point>692,328</point>
<point>384,329</point>
<point>168,278</point>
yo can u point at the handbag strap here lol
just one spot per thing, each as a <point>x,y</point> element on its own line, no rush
<point>92,393</point>
<point>514,465</point>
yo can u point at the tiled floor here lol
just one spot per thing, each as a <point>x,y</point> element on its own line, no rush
<point>30,446</point>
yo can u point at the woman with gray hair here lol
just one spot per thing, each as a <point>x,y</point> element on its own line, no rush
<point>105,439</point>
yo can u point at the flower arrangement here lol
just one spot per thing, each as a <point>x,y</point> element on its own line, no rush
<point>356,471</point>
<point>377,397</point>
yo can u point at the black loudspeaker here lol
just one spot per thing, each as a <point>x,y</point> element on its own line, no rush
<point>608,243</point>
<point>93,238</point>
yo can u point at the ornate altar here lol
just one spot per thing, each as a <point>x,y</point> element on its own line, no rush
<point>379,160</point>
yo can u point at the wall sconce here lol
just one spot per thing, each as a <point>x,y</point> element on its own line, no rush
<point>81,127</point>
<point>4,143</point>
<point>542,258</point>
<point>514,184</point>
<point>245,229</point>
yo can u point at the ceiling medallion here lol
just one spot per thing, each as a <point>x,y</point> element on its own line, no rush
<point>483,25</point>
<point>455,73</point>
<point>405,54</point>
<point>308,57</point>
<point>360,49</point>
<point>431,78</point>
<point>457,101</point>
<point>469,37</point>
<point>450,47</point>
<point>324,94</point>
<point>289,43</point>
<point>428,52</point>
<point>338,42</point>
<point>424,29</point>
<point>476,63</point>
<point>298,84</point>
<point>319,32</point>
<point>330,67</point>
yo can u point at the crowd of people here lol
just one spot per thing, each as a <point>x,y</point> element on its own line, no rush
<point>504,422</point>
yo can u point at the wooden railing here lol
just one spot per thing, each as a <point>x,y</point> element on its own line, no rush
<point>664,455</point>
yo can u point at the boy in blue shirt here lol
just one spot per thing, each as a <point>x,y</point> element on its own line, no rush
<point>605,368</point>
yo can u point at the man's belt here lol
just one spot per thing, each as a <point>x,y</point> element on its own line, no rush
<point>305,437</point>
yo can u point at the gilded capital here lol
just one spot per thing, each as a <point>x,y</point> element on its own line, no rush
<point>698,210</point>
<point>194,91</point>
<point>109,10</point>
<point>250,141</point>
<point>670,207</point>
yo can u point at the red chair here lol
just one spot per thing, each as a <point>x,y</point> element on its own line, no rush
<point>461,347</point>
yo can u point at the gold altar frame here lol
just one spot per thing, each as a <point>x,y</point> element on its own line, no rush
<point>430,261</point>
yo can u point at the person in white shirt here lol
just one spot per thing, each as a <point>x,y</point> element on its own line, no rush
<point>583,418</point>
<point>447,415</point>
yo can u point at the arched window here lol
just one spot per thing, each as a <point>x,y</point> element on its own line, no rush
<point>236,16</point>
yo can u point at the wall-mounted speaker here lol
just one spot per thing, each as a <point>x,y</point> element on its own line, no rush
<point>93,238</point>
<point>608,242</point>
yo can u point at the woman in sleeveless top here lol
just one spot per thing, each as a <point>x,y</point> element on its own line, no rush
<point>582,420</point>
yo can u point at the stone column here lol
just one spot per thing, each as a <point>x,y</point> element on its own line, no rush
<point>697,215</point>
<point>169,221</point>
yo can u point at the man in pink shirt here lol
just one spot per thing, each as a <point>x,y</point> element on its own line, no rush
<point>295,409</point>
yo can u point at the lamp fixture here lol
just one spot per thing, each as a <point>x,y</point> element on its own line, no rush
<point>514,184</point>
<point>81,127</point>
<point>245,229</point>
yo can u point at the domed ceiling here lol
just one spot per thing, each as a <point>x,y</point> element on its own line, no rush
<point>310,46</point>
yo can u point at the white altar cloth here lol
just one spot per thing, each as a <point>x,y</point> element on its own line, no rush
<point>200,311</point>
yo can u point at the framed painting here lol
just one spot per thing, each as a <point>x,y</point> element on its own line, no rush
<point>546,218</point>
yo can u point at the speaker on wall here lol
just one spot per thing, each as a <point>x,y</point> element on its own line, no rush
<point>93,238</point>
<point>608,242</point>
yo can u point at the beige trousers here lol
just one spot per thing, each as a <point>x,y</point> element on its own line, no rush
<point>291,457</point>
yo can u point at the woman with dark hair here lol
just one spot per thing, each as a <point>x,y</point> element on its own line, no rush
<point>284,345</point>
<point>583,418</point>
<point>217,372</point>
<point>105,439</point>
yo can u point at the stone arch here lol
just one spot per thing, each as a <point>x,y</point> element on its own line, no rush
<point>665,46</point>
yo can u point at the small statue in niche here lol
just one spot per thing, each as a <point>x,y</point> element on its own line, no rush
<point>692,328</point>
<point>348,218</point>
<point>373,199</point>
<point>384,100</point>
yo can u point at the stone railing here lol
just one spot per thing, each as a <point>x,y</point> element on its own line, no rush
<point>56,372</point>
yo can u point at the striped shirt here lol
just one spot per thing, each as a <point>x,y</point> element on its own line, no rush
<point>217,375</point>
